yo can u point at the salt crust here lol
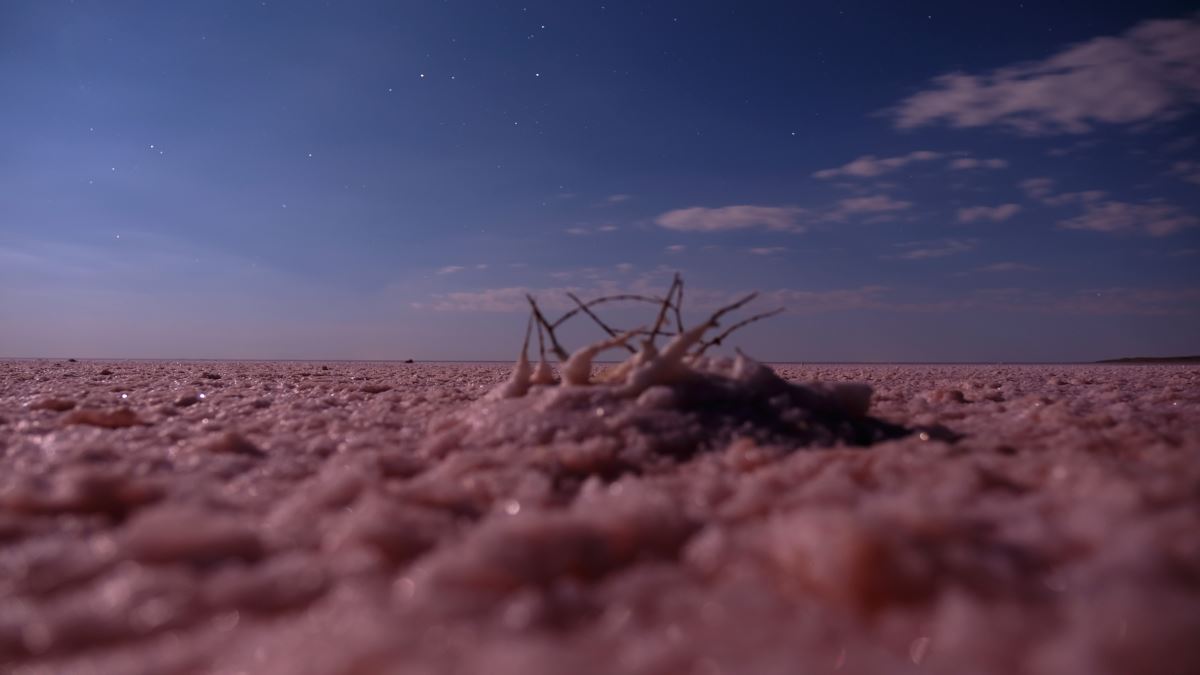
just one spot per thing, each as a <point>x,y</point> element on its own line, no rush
<point>379,518</point>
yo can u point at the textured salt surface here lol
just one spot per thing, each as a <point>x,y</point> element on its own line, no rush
<point>377,518</point>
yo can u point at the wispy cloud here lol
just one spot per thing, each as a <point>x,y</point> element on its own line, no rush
<point>869,166</point>
<point>1112,301</point>
<point>925,250</point>
<point>583,231</point>
<point>1007,266</point>
<point>1154,218</point>
<point>617,199</point>
<point>512,298</point>
<point>1037,188</point>
<point>767,250</point>
<point>864,205</point>
<point>1145,75</point>
<point>994,214</point>
<point>1187,170</point>
<point>1042,190</point>
<point>451,269</point>
<point>1081,197</point>
<point>700,219</point>
<point>676,248</point>
<point>966,163</point>
<point>778,218</point>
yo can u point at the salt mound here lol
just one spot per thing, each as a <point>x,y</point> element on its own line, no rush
<point>674,402</point>
<point>707,406</point>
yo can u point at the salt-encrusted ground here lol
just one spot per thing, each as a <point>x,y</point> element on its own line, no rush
<point>309,518</point>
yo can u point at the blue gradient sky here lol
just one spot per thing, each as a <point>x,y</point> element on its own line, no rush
<point>913,181</point>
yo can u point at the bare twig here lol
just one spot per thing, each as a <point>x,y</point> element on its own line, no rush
<point>666,303</point>
<point>541,341</point>
<point>598,301</point>
<point>679,305</point>
<point>589,312</point>
<point>537,313</point>
<point>712,320</point>
<point>728,331</point>
<point>528,331</point>
<point>646,331</point>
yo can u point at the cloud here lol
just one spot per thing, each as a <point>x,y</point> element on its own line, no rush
<point>581,231</point>
<point>617,199</point>
<point>1148,74</point>
<point>1007,267</point>
<point>862,205</point>
<point>1112,301</point>
<point>1157,219</point>
<point>624,268</point>
<point>766,250</point>
<point>965,163</point>
<point>1074,147</point>
<point>451,269</point>
<point>512,298</point>
<point>925,250</point>
<point>870,165</point>
<point>995,214</point>
<point>1187,170</point>
<point>1083,197</point>
<point>700,219</point>
<point>1042,189</point>
<point>778,218</point>
<point>676,248</point>
<point>1037,188</point>
<point>509,299</point>
<point>806,301</point>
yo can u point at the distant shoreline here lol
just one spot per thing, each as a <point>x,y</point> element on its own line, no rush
<point>1154,359</point>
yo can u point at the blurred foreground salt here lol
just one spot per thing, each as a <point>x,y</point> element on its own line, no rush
<point>374,518</point>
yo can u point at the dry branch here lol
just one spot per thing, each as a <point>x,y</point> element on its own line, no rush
<point>666,303</point>
<point>728,331</point>
<point>555,346</point>
<point>589,312</point>
<point>608,298</point>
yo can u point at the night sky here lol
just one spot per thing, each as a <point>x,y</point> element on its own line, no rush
<point>914,181</point>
